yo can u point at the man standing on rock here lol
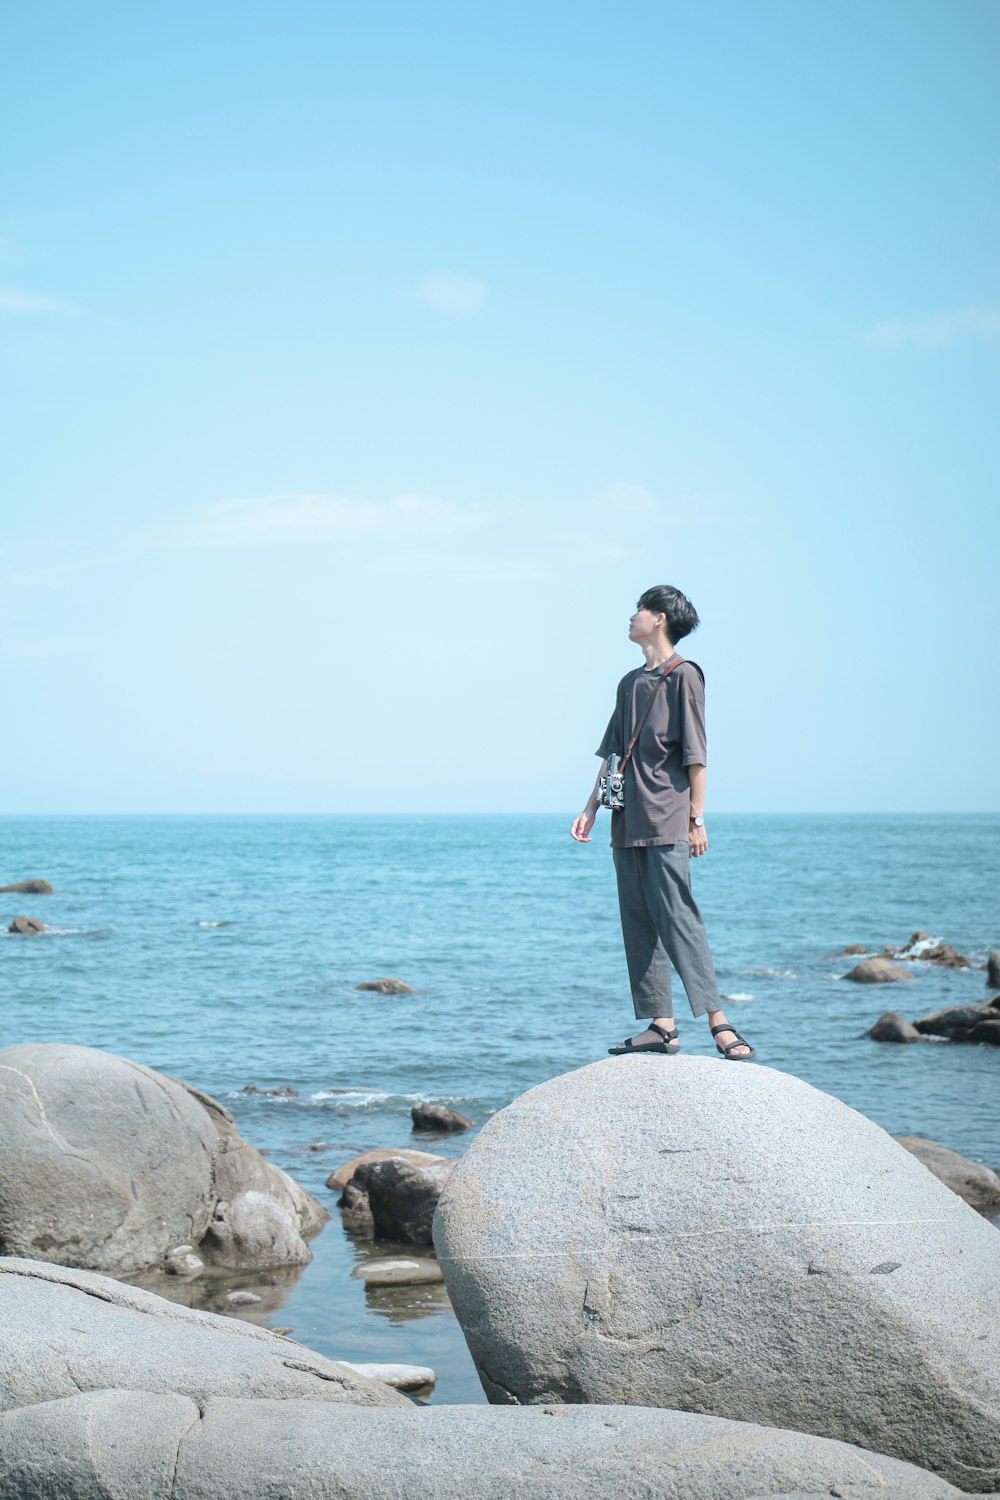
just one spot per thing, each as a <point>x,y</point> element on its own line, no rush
<point>657,733</point>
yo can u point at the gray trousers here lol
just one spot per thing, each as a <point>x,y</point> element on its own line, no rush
<point>661,925</point>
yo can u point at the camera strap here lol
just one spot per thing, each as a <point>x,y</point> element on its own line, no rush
<point>677,661</point>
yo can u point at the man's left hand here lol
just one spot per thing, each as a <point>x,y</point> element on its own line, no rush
<point>697,841</point>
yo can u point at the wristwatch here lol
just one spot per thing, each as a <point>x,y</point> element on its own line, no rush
<point>698,821</point>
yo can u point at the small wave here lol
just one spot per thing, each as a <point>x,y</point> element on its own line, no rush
<point>351,1097</point>
<point>774,973</point>
<point>918,948</point>
<point>215,924</point>
<point>737,995</point>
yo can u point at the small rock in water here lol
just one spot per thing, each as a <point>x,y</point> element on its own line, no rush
<point>853,948</point>
<point>877,971</point>
<point>249,1088</point>
<point>892,1027</point>
<point>398,1272</point>
<point>964,1023</point>
<point>26,925</point>
<point>339,1179</point>
<point>280,1330</point>
<point>284,1092</point>
<point>438,1117</point>
<point>242,1299</point>
<point>320,1146</point>
<point>182,1261</point>
<point>400,1377</point>
<point>28,888</point>
<point>945,955</point>
<point>993,970</point>
<point>388,986</point>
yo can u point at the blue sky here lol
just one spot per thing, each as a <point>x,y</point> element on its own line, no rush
<point>360,366</point>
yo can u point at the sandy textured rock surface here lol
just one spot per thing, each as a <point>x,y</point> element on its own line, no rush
<point>679,1233</point>
<point>63,1331</point>
<point>110,1165</point>
<point>147,1447</point>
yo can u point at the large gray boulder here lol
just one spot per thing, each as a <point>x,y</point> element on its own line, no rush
<point>109,1165</point>
<point>64,1331</point>
<point>680,1233</point>
<point>165,1447</point>
<point>978,1185</point>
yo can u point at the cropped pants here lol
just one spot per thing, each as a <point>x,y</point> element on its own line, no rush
<point>662,926</point>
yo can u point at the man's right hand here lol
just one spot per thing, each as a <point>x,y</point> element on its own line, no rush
<point>581,825</point>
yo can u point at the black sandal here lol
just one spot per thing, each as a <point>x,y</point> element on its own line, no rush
<point>669,1045</point>
<point>741,1041</point>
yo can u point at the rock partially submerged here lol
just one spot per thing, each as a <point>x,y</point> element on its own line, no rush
<point>978,1185</point>
<point>438,1117</point>
<point>878,971</point>
<point>129,1443</point>
<point>993,971</point>
<point>385,1272</point>
<point>387,986</point>
<point>964,1023</point>
<point>26,926</point>
<point>27,888</point>
<point>339,1179</point>
<point>402,1196</point>
<point>892,1027</point>
<point>64,1331</point>
<point>729,1241</point>
<point>109,1165</point>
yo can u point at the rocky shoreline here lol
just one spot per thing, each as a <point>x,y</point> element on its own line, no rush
<point>838,1336</point>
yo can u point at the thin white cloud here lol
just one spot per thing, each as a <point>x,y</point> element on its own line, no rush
<point>451,292</point>
<point>15,303</point>
<point>317,518</point>
<point>938,331</point>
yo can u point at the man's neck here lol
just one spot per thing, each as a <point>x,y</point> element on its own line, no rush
<point>657,652</point>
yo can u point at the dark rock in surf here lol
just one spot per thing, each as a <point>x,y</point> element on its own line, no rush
<point>892,1027</point>
<point>993,970</point>
<point>339,1179</point>
<point>945,955</point>
<point>964,1023</point>
<point>403,1196</point>
<point>437,1117</point>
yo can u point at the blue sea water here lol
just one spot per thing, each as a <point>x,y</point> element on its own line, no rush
<point>227,950</point>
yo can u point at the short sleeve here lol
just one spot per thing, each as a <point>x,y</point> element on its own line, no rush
<point>610,743</point>
<point>691,702</point>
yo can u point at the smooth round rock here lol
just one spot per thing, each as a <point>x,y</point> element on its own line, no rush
<point>675,1232</point>
<point>398,1272</point>
<point>892,1027</point>
<point>400,1377</point>
<point>878,971</point>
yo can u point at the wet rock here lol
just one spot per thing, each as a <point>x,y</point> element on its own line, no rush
<point>403,1196</point>
<point>26,925</point>
<point>892,1027</point>
<point>109,1165</point>
<point>182,1261</point>
<point>387,986</point>
<point>339,1179</point>
<point>877,971</point>
<point>575,1262</point>
<point>438,1117</point>
<point>242,1299</point>
<point>136,1444</point>
<point>400,1377</point>
<point>964,1023</point>
<point>398,1272</point>
<point>978,1185</point>
<point>945,955</point>
<point>357,1210</point>
<point>28,888</point>
<point>65,1331</point>
<point>853,948</point>
<point>993,970</point>
<point>284,1092</point>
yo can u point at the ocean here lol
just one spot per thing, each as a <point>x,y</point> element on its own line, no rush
<point>227,950</point>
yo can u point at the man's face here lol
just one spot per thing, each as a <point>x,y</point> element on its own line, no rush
<point>644,624</point>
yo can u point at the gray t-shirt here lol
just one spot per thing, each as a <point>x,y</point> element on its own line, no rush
<point>657,791</point>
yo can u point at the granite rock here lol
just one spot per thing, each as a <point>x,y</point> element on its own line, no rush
<point>163,1447</point>
<point>28,888</point>
<point>339,1179</point>
<point>892,1027</point>
<point>438,1117</point>
<point>728,1241</point>
<point>109,1165</point>
<point>964,1023</point>
<point>402,1197</point>
<point>978,1185</point>
<point>26,926</point>
<point>387,986</point>
<point>878,971</point>
<point>64,1331</point>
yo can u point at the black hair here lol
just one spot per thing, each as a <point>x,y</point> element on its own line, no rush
<point>682,617</point>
